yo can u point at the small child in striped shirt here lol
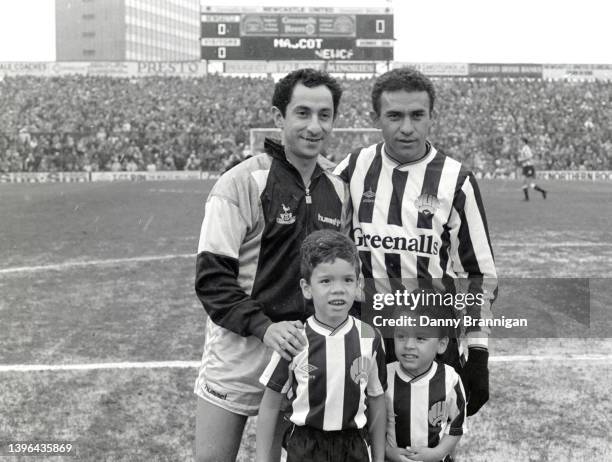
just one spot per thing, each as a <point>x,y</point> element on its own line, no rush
<point>426,405</point>
<point>328,381</point>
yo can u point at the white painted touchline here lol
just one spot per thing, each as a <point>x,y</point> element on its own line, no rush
<point>194,364</point>
<point>76,264</point>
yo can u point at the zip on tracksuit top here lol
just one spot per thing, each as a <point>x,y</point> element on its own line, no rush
<point>256,217</point>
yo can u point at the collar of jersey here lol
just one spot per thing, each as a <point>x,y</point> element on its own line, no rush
<point>429,154</point>
<point>277,150</point>
<point>328,331</point>
<point>422,378</point>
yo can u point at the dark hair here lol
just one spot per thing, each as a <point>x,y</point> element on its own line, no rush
<point>283,90</point>
<point>325,246</point>
<point>525,140</point>
<point>404,78</point>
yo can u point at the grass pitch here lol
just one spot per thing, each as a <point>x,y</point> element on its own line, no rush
<point>135,302</point>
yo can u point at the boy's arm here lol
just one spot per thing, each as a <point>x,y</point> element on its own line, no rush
<point>424,454</point>
<point>377,407</point>
<point>266,424</point>
<point>377,422</point>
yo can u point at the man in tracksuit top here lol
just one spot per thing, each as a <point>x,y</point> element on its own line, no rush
<point>247,274</point>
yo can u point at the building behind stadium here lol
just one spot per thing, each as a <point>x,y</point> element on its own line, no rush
<point>132,30</point>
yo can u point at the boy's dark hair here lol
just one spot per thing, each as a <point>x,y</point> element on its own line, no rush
<point>283,90</point>
<point>325,246</point>
<point>404,78</point>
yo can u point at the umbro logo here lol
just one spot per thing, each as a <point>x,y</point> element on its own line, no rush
<point>285,217</point>
<point>368,196</point>
<point>308,368</point>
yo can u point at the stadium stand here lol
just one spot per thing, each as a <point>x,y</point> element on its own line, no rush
<point>96,123</point>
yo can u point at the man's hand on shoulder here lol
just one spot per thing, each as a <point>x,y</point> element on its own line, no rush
<point>475,377</point>
<point>286,338</point>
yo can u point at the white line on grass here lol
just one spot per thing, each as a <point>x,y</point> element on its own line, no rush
<point>99,366</point>
<point>539,358</point>
<point>194,364</point>
<point>118,261</point>
<point>548,245</point>
<point>106,262</point>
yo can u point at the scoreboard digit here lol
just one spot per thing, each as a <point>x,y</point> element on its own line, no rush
<point>295,33</point>
<point>220,36</point>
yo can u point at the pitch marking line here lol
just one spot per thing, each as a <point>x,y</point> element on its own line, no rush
<point>540,358</point>
<point>548,245</point>
<point>118,261</point>
<point>106,262</point>
<point>99,366</point>
<point>195,364</point>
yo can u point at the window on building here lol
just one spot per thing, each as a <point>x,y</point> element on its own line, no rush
<point>89,16</point>
<point>88,34</point>
<point>89,52</point>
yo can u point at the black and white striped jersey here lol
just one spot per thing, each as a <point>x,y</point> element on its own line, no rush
<point>421,410</point>
<point>422,220</point>
<point>328,380</point>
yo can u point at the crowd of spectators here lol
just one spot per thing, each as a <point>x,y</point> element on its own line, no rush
<point>89,123</point>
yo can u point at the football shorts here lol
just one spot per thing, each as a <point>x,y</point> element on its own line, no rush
<point>230,370</point>
<point>307,444</point>
<point>529,171</point>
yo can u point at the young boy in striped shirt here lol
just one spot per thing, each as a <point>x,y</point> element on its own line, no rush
<point>426,404</point>
<point>328,381</point>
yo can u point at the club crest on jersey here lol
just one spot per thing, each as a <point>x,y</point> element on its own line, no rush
<point>437,414</point>
<point>427,204</point>
<point>285,217</point>
<point>369,196</point>
<point>359,369</point>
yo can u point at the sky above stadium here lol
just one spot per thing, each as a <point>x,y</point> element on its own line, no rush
<point>485,31</point>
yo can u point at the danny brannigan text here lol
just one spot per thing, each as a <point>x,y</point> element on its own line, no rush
<point>468,321</point>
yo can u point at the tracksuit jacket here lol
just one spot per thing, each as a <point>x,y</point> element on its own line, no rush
<point>256,217</point>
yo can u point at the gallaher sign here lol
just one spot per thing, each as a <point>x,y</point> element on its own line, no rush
<point>506,70</point>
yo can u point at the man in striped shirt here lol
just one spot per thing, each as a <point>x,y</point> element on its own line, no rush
<point>328,381</point>
<point>425,398</point>
<point>418,218</point>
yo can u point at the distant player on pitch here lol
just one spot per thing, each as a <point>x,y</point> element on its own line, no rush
<point>425,398</point>
<point>525,160</point>
<point>327,383</point>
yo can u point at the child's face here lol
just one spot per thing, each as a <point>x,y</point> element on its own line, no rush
<point>332,288</point>
<point>417,347</point>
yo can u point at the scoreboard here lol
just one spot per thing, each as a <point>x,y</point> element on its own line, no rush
<point>296,33</point>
